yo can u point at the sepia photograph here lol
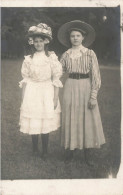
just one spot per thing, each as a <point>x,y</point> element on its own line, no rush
<point>60,93</point>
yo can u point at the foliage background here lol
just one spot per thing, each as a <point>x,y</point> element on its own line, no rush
<point>106,22</point>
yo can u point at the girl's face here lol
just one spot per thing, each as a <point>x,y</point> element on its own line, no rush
<point>76,38</point>
<point>39,43</point>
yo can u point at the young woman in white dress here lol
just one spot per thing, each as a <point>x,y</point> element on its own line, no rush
<point>40,109</point>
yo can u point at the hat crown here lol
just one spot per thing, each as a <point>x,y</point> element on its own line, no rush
<point>41,29</point>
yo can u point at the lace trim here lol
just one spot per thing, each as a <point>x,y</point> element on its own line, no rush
<point>39,115</point>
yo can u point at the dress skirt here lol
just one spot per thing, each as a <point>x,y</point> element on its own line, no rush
<point>81,127</point>
<point>37,114</point>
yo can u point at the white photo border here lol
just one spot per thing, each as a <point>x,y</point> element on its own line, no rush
<point>69,186</point>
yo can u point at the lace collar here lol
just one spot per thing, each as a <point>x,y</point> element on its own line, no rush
<point>40,53</point>
<point>75,53</point>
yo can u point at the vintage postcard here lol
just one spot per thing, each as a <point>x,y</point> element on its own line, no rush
<point>61,97</point>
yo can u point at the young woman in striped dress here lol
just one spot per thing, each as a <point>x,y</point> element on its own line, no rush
<point>81,122</point>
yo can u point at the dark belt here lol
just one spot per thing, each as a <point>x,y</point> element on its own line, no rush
<point>78,76</point>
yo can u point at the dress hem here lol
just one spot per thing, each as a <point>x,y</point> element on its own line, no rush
<point>81,148</point>
<point>41,132</point>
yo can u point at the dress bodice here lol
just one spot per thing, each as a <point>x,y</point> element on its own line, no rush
<point>77,60</point>
<point>83,60</point>
<point>41,68</point>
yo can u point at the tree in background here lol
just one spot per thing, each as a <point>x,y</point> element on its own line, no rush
<point>16,22</point>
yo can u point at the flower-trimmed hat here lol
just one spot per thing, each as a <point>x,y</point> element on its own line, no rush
<point>40,29</point>
<point>78,25</point>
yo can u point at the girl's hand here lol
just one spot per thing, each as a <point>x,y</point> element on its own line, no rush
<point>92,103</point>
<point>55,102</point>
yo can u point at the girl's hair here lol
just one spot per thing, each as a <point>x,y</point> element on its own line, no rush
<point>83,34</point>
<point>30,50</point>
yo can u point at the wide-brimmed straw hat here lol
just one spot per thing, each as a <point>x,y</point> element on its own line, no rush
<point>86,29</point>
<point>40,29</point>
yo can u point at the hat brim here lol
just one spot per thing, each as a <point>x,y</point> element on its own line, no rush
<point>32,34</point>
<point>63,33</point>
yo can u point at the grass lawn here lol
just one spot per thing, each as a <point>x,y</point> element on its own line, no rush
<point>17,161</point>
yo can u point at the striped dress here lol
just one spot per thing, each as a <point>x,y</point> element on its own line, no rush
<point>81,126</point>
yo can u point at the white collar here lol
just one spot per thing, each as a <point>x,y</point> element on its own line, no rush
<point>39,53</point>
<point>80,48</point>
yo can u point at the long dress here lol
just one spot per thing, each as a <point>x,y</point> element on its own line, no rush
<point>41,74</point>
<point>81,126</point>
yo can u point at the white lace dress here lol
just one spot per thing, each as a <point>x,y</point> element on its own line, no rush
<point>41,74</point>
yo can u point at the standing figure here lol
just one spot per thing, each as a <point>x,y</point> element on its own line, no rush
<point>81,122</point>
<point>40,109</point>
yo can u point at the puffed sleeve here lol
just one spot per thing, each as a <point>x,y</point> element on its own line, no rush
<point>56,68</point>
<point>96,78</point>
<point>63,61</point>
<point>25,71</point>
